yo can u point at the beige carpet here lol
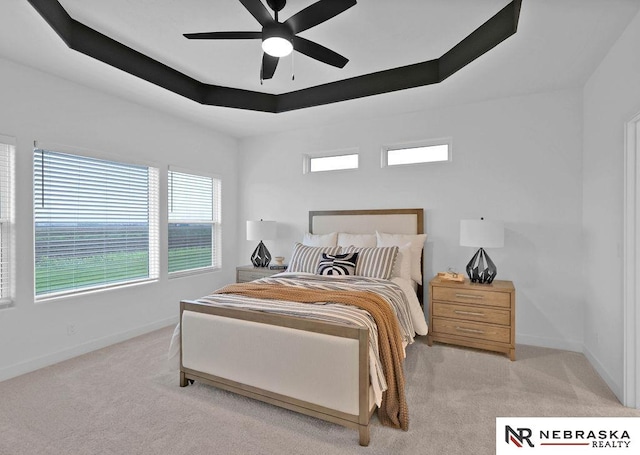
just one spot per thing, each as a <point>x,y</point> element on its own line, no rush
<point>124,400</point>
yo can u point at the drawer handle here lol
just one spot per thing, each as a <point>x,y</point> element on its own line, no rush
<point>469,296</point>
<point>464,329</point>
<point>468,313</point>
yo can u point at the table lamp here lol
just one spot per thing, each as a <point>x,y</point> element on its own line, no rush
<point>481,234</point>
<point>261,230</point>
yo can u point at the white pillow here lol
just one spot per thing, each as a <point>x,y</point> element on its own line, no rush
<point>417,244</point>
<point>402,267</point>
<point>360,240</point>
<point>320,239</point>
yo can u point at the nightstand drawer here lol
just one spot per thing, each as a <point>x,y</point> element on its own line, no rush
<point>246,273</point>
<point>474,296</point>
<point>472,313</point>
<point>472,330</point>
<point>244,276</point>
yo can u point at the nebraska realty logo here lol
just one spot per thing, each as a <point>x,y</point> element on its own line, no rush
<point>567,435</point>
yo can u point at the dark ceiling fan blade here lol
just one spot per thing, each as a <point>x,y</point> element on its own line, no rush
<point>269,65</point>
<point>318,13</point>
<point>318,52</point>
<point>224,35</point>
<point>258,10</point>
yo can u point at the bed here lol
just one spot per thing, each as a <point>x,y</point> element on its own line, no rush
<point>329,370</point>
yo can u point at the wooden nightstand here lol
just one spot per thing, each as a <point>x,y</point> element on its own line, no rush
<point>480,316</point>
<point>246,273</point>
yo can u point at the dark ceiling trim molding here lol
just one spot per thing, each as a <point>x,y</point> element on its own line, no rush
<point>90,42</point>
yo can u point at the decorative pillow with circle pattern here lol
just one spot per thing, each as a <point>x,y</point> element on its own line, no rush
<point>337,264</point>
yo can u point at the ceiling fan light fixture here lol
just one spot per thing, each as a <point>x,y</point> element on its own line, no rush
<point>277,46</point>
<point>277,39</point>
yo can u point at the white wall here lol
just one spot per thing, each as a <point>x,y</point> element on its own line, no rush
<point>516,159</point>
<point>36,106</point>
<point>611,99</point>
<point>550,165</point>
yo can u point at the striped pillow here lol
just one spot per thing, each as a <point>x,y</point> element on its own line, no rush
<point>304,259</point>
<point>374,262</point>
<point>337,264</point>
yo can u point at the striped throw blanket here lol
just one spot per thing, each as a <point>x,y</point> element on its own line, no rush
<point>393,410</point>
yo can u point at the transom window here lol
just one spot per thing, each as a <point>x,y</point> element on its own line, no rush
<point>416,153</point>
<point>96,223</point>
<point>330,163</point>
<point>194,221</point>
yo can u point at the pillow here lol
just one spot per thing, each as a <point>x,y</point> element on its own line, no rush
<point>417,244</point>
<point>320,239</point>
<point>402,267</point>
<point>337,264</point>
<point>360,240</point>
<point>374,262</point>
<point>305,258</point>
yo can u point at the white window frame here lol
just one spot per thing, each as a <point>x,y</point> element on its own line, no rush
<point>216,223</point>
<point>7,222</point>
<point>153,217</point>
<point>415,145</point>
<point>308,159</point>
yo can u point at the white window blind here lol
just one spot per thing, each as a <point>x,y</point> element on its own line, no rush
<point>95,223</point>
<point>194,221</point>
<point>6,221</point>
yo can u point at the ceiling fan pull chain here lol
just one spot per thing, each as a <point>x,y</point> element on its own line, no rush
<point>293,75</point>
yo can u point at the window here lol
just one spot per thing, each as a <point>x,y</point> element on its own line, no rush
<point>7,149</point>
<point>424,152</point>
<point>96,223</point>
<point>330,163</point>
<point>194,221</point>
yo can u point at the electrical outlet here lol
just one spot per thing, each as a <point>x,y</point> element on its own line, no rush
<point>71,329</point>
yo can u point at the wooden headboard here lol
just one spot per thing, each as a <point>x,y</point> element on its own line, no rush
<point>393,221</point>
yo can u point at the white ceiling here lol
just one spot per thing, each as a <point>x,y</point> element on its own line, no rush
<point>558,45</point>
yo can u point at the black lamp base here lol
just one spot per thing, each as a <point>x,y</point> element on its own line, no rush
<point>481,268</point>
<point>261,256</point>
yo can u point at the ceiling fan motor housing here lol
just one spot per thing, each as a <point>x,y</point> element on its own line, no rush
<point>277,30</point>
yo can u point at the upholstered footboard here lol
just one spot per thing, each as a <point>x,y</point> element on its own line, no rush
<point>316,368</point>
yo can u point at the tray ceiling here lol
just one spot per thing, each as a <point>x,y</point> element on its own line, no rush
<point>558,45</point>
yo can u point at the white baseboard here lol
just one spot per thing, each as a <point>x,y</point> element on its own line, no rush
<point>615,387</point>
<point>40,362</point>
<point>553,343</point>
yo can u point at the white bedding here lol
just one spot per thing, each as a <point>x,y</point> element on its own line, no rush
<point>417,314</point>
<point>408,287</point>
<point>413,322</point>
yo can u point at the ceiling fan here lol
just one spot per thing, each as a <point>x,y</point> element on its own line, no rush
<point>279,38</point>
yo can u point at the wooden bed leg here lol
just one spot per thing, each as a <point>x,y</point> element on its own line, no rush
<point>364,435</point>
<point>183,379</point>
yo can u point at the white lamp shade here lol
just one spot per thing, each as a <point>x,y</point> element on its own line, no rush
<point>261,230</point>
<point>482,233</point>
